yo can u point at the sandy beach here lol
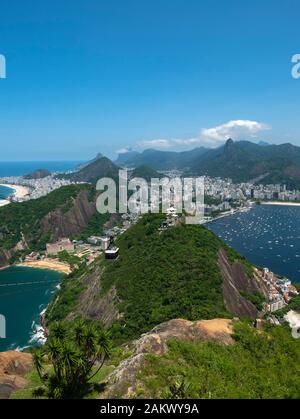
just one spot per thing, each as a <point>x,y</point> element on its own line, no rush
<point>283,203</point>
<point>4,202</point>
<point>19,193</point>
<point>53,265</point>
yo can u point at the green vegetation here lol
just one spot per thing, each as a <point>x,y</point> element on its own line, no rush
<point>211,200</point>
<point>28,221</point>
<point>160,160</point>
<point>293,305</point>
<point>32,389</point>
<point>95,226</point>
<point>255,298</point>
<point>73,355</point>
<point>19,220</point>
<point>234,256</point>
<point>240,161</point>
<point>244,160</point>
<point>69,258</point>
<point>145,172</point>
<point>92,172</point>
<point>256,366</point>
<point>66,299</point>
<point>160,276</point>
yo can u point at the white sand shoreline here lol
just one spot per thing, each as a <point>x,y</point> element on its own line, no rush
<point>52,265</point>
<point>282,203</point>
<point>19,192</point>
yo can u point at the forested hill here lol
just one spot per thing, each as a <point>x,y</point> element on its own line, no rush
<point>92,172</point>
<point>239,160</point>
<point>159,276</point>
<point>160,160</point>
<point>244,160</point>
<point>27,226</point>
<point>145,172</point>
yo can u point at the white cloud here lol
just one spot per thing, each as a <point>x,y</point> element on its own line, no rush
<point>164,144</point>
<point>160,144</point>
<point>238,130</point>
<point>124,150</point>
<point>209,137</point>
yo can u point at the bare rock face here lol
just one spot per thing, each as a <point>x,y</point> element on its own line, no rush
<point>13,368</point>
<point>5,255</point>
<point>69,223</point>
<point>235,280</point>
<point>92,305</point>
<point>123,382</point>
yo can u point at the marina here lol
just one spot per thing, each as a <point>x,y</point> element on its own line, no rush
<point>267,235</point>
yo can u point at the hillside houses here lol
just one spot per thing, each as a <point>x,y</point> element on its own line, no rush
<point>61,245</point>
<point>280,290</point>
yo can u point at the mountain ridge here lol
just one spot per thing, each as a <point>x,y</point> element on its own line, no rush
<point>93,171</point>
<point>239,160</point>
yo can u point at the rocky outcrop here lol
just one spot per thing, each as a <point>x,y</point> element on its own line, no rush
<point>5,254</point>
<point>123,381</point>
<point>235,281</point>
<point>92,304</point>
<point>64,223</point>
<point>13,368</point>
<point>68,219</point>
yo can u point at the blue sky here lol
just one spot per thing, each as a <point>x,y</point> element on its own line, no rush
<point>100,75</point>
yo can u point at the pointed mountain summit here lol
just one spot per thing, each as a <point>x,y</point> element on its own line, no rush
<point>229,142</point>
<point>92,172</point>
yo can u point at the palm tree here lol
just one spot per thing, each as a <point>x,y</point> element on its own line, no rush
<point>79,332</point>
<point>103,350</point>
<point>54,350</point>
<point>69,357</point>
<point>73,352</point>
<point>90,339</point>
<point>104,343</point>
<point>58,331</point>
<point>38,360</point>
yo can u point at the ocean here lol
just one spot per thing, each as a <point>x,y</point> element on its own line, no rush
<point>267,235</point>
<point>24,294</point>
<point>19,168</point>
<point>5,192</point>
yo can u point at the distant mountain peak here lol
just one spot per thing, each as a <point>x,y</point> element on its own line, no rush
<point>229,146</point>
<point>91,172</point>
<point>83,165</point>
<point>229,142</point>
<point>38,174</point>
